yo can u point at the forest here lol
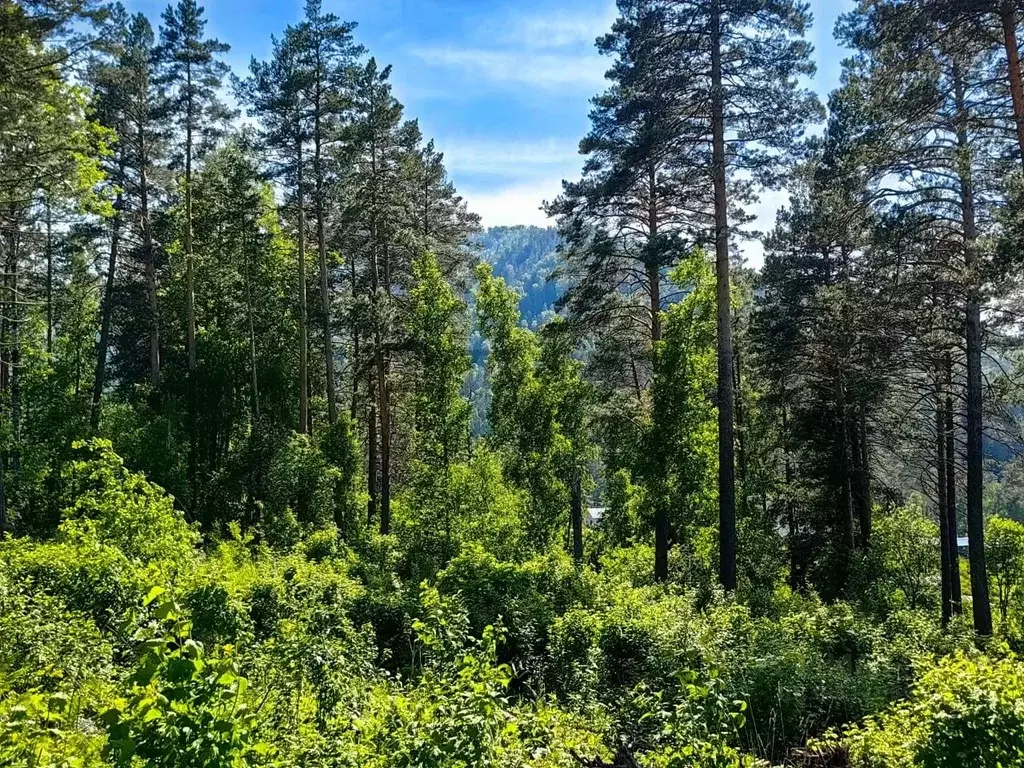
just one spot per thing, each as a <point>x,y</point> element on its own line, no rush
<point>300,465</point>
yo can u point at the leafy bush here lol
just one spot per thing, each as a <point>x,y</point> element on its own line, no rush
<point>45,645</point>
<point>964,711</point>
<point>186,707</point>
<point>38,730</point>
<point>301,491</point>
<point>87,574</point>
<point>114,506</point>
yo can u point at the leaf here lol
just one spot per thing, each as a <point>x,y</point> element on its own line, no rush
<point>153,594</point>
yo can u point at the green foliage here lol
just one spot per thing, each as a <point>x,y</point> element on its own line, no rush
<point>38,730</point>
<point>185,707</point>
<point>301,491</point>
<point>121,508</point>
<point>1004,555</point>
<point>899,570</point>
<point>966,710</point>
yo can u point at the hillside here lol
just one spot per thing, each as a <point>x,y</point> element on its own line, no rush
<point>525,257</point>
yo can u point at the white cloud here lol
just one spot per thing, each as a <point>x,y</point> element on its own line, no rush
<point>514,203</point>
<point>522,67</point>
<point>510,159</point>
<point>555,30</point>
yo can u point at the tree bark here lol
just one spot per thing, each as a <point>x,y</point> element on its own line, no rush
<point>795,578</point>
<point>105,318</point>
<point>741,448</point>
<point>371,459</point>
<point>863,477</point>
<point>726,448</point>
<point>15,312</point>
<point>982,608</point>
<point>49,277</point>
<point>325,295</point>
<point>946,565</point>
<point>150,257</point>
<point>303,322</point>
<point>576,491</point>
<point>1008,17</point>
<point>661,522</point>
<point>190,311</point>
<point>253,378</point>
<point>956,596</point>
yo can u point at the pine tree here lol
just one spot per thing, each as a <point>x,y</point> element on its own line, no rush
<point>740,62</point>
<point>191,74</point>
<point>274,93</point>
<point>326,55</point>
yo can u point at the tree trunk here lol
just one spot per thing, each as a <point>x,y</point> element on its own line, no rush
<point>15,312</point>
<point>576,490</point>
<point>253,378</point>
<point>1008,16</point>
<point>190,317</point>
<point>384,412</point>
<point>741,448</point>
<point>863,478</point>
<point>795,578</point>
<point>661,522</point>
<point>982,608</point>
<point>49,277</point>
<point>956,596</point>
<point>726,449</point>
<point>371,459</point>
<point>354,363</point>
<point>303,323</point>
<point>325,294</point>
<point>105,318</point>
<point>940,487</point>
<point>150,257</point>
<point>846,506</point>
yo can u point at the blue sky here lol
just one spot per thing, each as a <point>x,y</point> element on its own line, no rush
<point>501,85</point>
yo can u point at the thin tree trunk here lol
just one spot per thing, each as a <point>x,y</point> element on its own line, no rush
<point>15,312</point>
<point>49,277</point>
<point>661,522</point>
<point>982,608</point>
<point>794,572</point>
<point>956,596</point>
<point>940,486</point>
<point>576,490</point>
<point>863,463</point>
<point>741,448</point>
<point>726,449</point>
<point>1008,16</point>
<point>354,365</point>
<point>846,506</point>
<point>325,294</point>
<point>371,459</point>
<point>105,318</point>
<point>254,380</point>
<point>384,413</point>
<point>303,322</point>
<point>190,317</point>
<point>150,257</point>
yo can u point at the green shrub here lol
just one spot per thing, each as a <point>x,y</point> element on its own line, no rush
<point>86,574</point>
<point>186,707</point>
<point>44,645</point>
<point>38,730</point>
<point>301,491</point>
<point>525,597</point>
<point>964,711</point>
<point>122,509</point>
<point>320,545</point>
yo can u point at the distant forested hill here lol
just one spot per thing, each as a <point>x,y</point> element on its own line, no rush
<point>524,256</point>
